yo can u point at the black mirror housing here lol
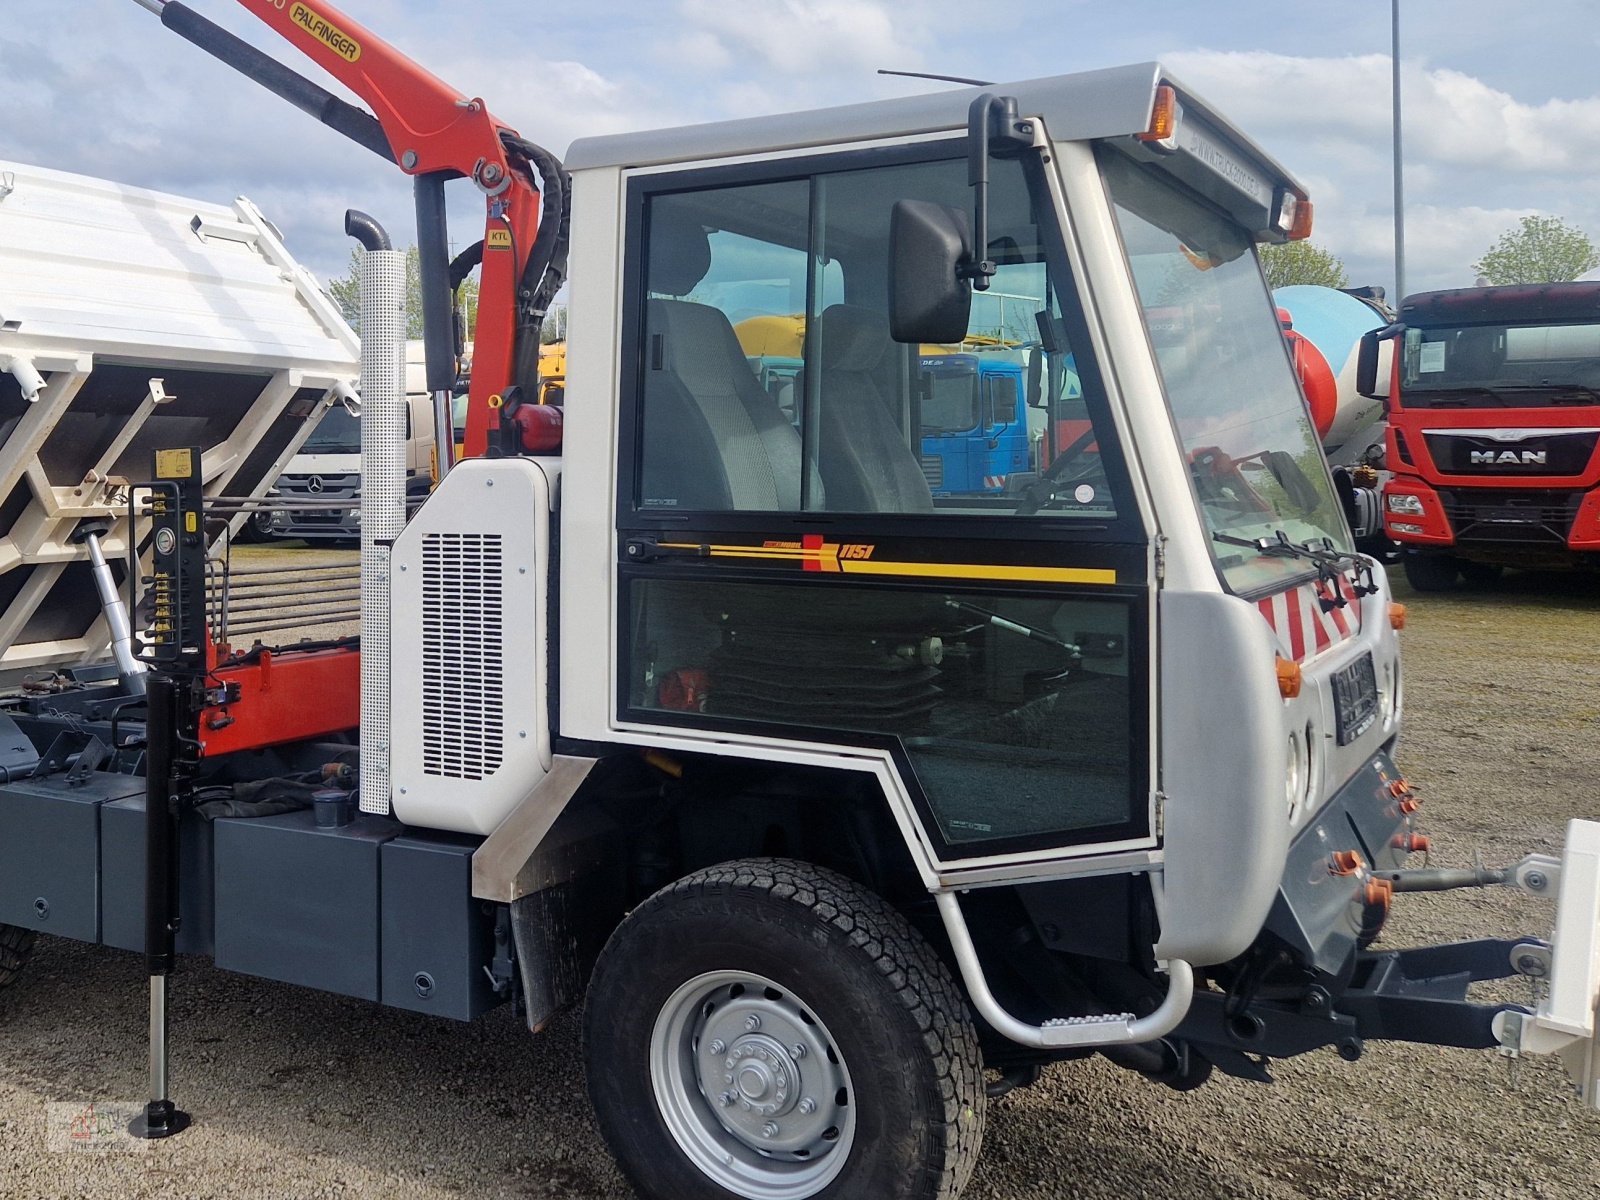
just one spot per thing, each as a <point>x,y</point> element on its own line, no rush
<point>929,298</point>
<point>1367,382</point>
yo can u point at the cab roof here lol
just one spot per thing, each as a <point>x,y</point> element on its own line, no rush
<point>1110,103</point>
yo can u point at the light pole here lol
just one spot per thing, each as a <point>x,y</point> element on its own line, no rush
<point>1399,178</point>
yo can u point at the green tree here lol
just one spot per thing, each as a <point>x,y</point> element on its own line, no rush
<point>1302,262</point>
<point>1539,250</point>
<point>555,325</point>
<point>346,293</point>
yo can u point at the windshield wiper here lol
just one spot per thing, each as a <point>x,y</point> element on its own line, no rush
<point>1331,564</point>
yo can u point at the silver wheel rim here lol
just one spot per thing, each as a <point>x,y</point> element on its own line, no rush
<point>752,1086</point>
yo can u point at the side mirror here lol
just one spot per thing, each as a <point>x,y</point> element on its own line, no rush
<point>1035,392</point>
<point>1372,365</point>
<point>929,299</point>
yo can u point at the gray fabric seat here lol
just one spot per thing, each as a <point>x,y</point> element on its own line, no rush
<point>866,462</point>
<point>712,437</point>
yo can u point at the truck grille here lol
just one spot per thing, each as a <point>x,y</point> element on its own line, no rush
<point>1516,452</point>
<point>933,470</point>
<point>463,665</point>
<point>1504,515</point>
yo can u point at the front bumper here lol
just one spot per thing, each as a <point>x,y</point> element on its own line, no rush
<point>1310,982</point>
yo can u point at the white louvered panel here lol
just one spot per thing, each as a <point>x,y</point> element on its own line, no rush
<point>470,646</point>
<point>463,664</point>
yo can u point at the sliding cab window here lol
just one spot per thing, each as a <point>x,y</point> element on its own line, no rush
<point>770,383</point>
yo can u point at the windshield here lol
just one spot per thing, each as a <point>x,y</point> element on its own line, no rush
<point>1501,366</point>
<point>1253,454</point>
<point>950,394</point>
<point>337,433</point>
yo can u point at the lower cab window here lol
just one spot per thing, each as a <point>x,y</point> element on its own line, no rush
<point>1015,713</point>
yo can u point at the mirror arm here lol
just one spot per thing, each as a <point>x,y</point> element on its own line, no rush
<point>991,120</point>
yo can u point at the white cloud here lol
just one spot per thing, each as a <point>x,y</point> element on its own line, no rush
<point>797,37</point>
<point>1476,157</point>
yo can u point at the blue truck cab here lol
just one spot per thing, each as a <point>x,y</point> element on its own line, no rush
<point>974,423</point>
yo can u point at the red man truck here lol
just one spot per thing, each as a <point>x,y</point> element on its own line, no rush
<point>1494,418</point>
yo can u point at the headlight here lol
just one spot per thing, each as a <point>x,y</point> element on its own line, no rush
<point>1294,777</point>
<point>1404,505</point>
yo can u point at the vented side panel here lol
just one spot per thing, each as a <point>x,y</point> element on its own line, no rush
<point>463,655</point>
<point>470,648</point>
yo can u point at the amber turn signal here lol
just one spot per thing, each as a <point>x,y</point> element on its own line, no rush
<point>1397,616</point>
<point>1290,678</point>
<point>1163,116</point>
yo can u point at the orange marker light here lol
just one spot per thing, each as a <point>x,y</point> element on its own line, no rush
<point>1397,616</point>
<point>1290,678</point>
<point>1163,116</point>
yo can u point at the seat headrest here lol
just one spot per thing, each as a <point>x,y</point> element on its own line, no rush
<point>853,338</point>
<point>680,252</point>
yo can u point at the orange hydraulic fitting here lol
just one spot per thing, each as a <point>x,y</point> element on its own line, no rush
<point>1345,862</point>
<point>1412,843</point>
<point>1409,805</point>
<point>1378,892</point>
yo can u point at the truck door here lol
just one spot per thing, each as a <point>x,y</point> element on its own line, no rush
<point>789,575</point>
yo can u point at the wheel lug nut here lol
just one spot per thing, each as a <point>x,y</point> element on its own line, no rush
<point>770,1129</point>
<point>728,1077</point>
<point>799,1050</point>
<point>808,1106</point>
<point>718,1046</point>
<point>726,1099</point>
<point>752,1022</point>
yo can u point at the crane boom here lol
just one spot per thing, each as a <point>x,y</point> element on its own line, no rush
<point>434,133</point>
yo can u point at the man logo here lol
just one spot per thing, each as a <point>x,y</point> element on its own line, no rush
<point>1508,458</point>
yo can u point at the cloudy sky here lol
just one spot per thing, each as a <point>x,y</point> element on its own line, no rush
<point>1502,101</point>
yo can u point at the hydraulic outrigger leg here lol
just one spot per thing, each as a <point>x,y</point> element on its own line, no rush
<point>161,1117</point>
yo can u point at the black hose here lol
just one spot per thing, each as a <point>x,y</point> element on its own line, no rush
<point>546,268</point>
<point>356,124</point>
<point>366,230</point>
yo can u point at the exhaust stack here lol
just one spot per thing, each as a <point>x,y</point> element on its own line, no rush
<point>383,485</point>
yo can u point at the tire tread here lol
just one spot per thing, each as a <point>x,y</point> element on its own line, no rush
<point>922,985</point>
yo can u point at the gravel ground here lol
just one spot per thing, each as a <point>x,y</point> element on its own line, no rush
<point>300,1094</point>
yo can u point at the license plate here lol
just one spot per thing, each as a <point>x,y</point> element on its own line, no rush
<point>1508,516</point>
<point>1355,698</point>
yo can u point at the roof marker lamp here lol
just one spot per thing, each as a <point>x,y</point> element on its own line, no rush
<point>1165,115</point>
<point>1291,215</point>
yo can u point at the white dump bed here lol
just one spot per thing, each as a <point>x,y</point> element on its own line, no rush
<point>105,288</point>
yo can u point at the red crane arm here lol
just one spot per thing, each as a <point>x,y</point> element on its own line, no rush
<point>433,128</point>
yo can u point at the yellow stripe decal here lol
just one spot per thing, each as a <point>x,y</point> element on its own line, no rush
<point>983,571</point>
<point>828,557</point>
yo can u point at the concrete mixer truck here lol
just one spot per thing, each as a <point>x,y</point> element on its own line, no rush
<point>1324,328</point>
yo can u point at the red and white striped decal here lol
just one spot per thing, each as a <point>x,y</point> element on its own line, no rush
<point>994,481</point>
<point>1302,627</point>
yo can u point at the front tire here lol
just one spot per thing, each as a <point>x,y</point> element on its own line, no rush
<point>1431,572</point>
<point>16,947</point>
<point>769,1030</point>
